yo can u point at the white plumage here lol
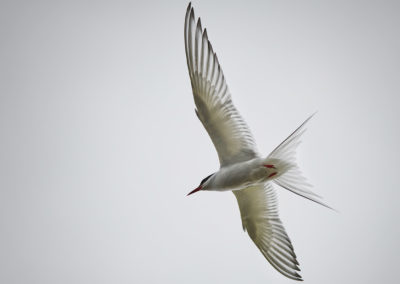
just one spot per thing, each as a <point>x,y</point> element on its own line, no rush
<point>243,170</point>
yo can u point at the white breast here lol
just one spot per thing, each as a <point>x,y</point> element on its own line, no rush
<point>238,176</point>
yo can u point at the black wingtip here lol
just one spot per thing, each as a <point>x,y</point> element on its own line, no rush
<point>199,23</point>
<point>189,7</point>
<point>192,14</point>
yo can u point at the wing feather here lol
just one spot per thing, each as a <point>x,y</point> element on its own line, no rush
<point>259,212</point>
<point>214,107</point>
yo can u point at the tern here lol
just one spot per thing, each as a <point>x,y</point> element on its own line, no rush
<point>249,175</point>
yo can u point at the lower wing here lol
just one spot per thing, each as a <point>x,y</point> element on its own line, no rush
<point>259,211</point>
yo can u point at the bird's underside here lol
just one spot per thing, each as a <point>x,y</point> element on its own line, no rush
<point>235,144</point>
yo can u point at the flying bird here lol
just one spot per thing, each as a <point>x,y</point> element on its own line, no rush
<point>249,175</point>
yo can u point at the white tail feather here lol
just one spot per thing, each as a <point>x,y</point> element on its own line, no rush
<point>290,177</point>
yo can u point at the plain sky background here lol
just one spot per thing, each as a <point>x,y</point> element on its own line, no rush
<point>99,142</point>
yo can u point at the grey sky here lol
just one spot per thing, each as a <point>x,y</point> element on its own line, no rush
<point>100,143</point>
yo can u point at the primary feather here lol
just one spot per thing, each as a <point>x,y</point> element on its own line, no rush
<point>214,107</point>
<point>259,211</point>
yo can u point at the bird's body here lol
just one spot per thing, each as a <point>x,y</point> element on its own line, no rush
<point>249,175</point>
<point>241,175</point>
<point>238,176</point>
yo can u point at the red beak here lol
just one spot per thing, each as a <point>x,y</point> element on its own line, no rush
<point>195,190</point>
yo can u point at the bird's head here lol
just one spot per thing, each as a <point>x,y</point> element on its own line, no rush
<point>203,184</point>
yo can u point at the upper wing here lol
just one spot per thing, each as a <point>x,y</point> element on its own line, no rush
<point>259,212</point>
<point>227,129</point>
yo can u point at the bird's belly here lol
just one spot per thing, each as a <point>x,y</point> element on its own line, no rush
<point>239,177</point>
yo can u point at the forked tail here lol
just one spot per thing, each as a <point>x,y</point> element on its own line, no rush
<point>284,158</point>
